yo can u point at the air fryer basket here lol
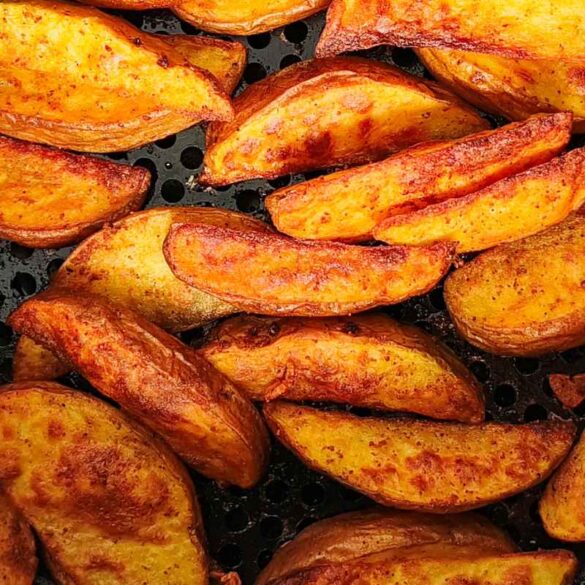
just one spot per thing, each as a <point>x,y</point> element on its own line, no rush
<point>244,527</point>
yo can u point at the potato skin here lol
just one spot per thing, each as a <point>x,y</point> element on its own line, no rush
<point>366,360</point>
<point>349,204</point>
<point>162,382</point>
<point>321,113</point>
<point>422,465</point>
<point>525,298</point>
<point>107,498</point>
<point>570,390</point>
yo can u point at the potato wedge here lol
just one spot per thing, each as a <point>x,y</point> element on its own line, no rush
<point>525,298</point>
<point>422,465</point>
<point>33,362</point>
<point>51,198</point>
<point>245,18</point>
<point>156,378</point>
<point>109,501</point>
<point>366,360</point>
<point>321,113</point>
<point>511,209</point>
<point>353,535</point>
<point>77,78</point>
<point>348,205</point>
<point>570,390</point>
<point>519,29</point>
<point>131,4</point>
<point>271,274</point>
<point>514,88</point>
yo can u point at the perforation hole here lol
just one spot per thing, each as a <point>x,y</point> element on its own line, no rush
<point>236,520</point>
<point>54,266</point>
<point>192,157</point>
<point>271,527</point>
<point>312,494</point>
<point>172,191</point>
<point>480,371</point>
<point>167,142</point>
<point>276,491</point>
<point>260,41</point>
<point>296,32</point>
<point>230,556</point>
<point>20,252</point>
<point>5,334</point>
<point>254,72</point>
<point>289,60</point>
<point>24,284</point>
<point>526,366</point>
<point>248,201</point>
<point>505,395</point>
<point>534,413</point>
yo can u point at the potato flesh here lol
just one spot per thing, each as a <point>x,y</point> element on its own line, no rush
<point>422,465</point>
<point>110,503</point>
<point>349,204</point>
<point>33,362</point>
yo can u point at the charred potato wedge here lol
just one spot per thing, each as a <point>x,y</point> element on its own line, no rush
<point>508,210</point>
<point>525,298</point>
<point>51,198</point>
<point>367,360</point>
<point>514,88</point>
<point>570,390</point>
<point>270,274</point>
<point>108,500</point>
<point>157,379</point>
<point>349,204</point>
<point>123,89</point>
<point>33,362</point>
<point>519,29</point>
<point>422,465</point>
<point>321,113</point>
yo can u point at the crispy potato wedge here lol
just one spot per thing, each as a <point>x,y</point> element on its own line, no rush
<point>514,88</point>
<point>77,78</point>
<point>245,18</point>
<point>156,378</point>
<point>109,501</point>
<point>131,4</point>
<point>272,274</point>
<point>33,362</point>
<point>519,29</point>
<point>321,113</point>
<point>348,205</point>
<point>570,390</point>
<point>525,298</point>
<point>422,465</point>
<point>511,209</point>
<point>366,360</point>
<point>353,535</point>
<point>51,198</point>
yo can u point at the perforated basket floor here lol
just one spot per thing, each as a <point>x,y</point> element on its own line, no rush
<point>245,527</point>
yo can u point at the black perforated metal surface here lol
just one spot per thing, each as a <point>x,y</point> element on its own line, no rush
<point>245,527</point>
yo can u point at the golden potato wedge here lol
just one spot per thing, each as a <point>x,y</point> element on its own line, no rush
<point>422,465</point>
<point>77,78</point>
<point>525,298</point>
<point>511,209</point>
<point>51,198</point>
<point>354,535</point>
<point>519,29</point>
<point>348,205</point>
<point>321,113</point>
<point>245,18</point>
<point>109,501</point>
<point>570,390</point>
<point>270,274</point>
<point>366,360</point>
<point>131,4</point>
<point>514,88</point>
<point>157,379</point>
<point>33,362</point>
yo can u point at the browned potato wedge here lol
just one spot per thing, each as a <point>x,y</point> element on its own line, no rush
<point>570,390</point>
<point>77,78</point>
<point>271,274</point>
<point>33,362</point>
<point>51,198</point>
<point>508,210</point>
<point>525,298</point>
<point>348,205</point>
<point>353,535</point>
<point>366,360</point>
<point>131,4</point>
<point>157,379</point>
<point>321,113</point>
<point>422,465</point>
<point>520,29</point>
<point>234,17</point>
<point>514,88</point>
<point>110,503</point>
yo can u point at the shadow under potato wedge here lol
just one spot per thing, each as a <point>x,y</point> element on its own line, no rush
<point>123,88</point>
<point>321,113</point>
<point>366,360</point>
<point>349,204</point>
<point>165,384</point>
<point>525,298</point>
<point>420,465</point>
<point>109,501</point>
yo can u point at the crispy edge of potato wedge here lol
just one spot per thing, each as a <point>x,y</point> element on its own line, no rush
<point>425,466</point>
<point>165,384</point>
<point>570,390</point>
<point>349,204</point>
<point>44,181</point>
<point>366,360</point>
<point>270,274</point>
